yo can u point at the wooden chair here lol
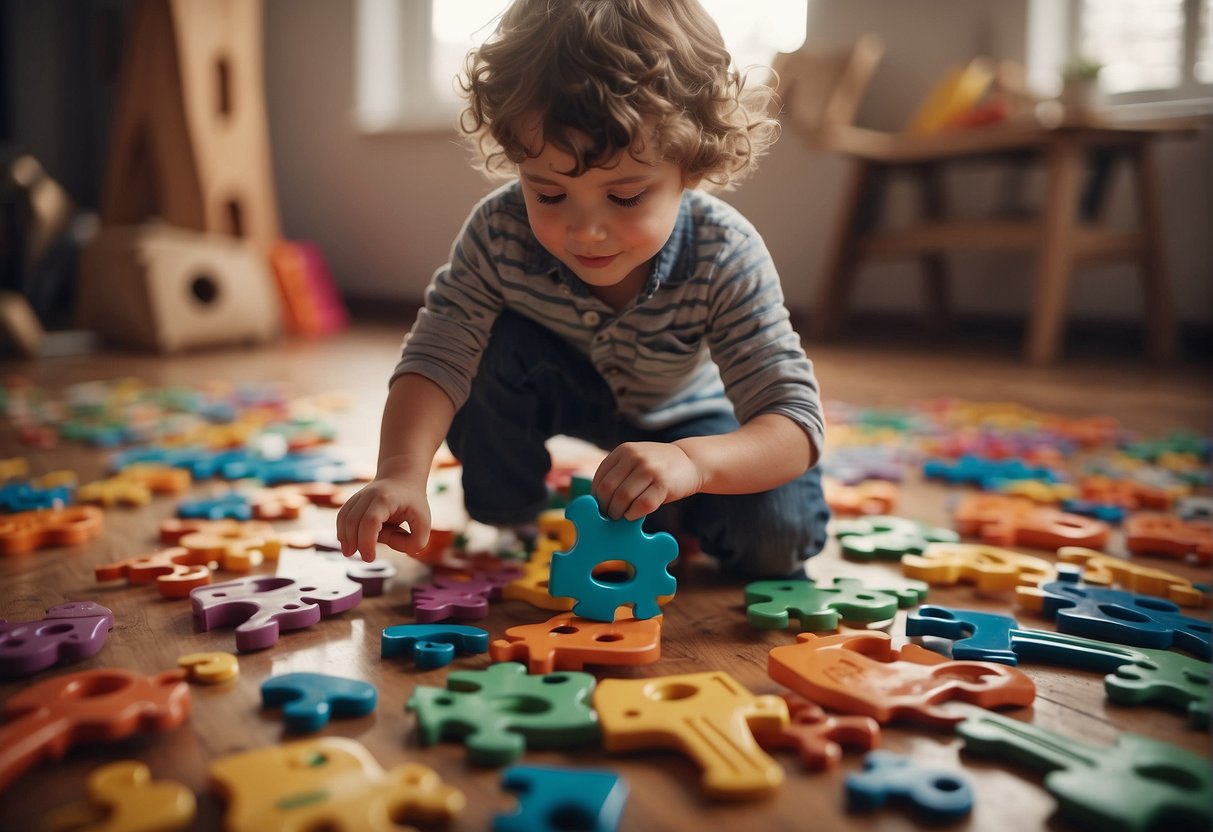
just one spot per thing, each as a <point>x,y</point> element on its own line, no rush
<point>820,95</point>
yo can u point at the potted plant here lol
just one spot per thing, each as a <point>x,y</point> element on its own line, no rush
<point>1080,83</point>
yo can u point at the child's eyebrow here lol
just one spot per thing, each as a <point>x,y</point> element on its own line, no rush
<point>623,180</point>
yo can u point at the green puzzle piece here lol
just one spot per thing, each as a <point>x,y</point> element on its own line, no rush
<point>885,537</point>
<point>1134,786</point>
<point>502,711</point>
<point>819,607</point>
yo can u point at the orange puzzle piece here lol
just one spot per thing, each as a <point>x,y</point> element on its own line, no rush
<point>44,528</point>
<point>868,497</point>
<point>817,737</point>
<point>708,716</point>
<point>988,568</point>
<point>1168,536</point>
<point>1130,494</point>
<point>568,642</point>
<point>176,571</point>
<point>862,673</point>
<point>1017,521</point>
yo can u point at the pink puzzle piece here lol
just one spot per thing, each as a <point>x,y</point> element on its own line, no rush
<point>862,673</point>
<point>67,633</point>
<point>460,594</point>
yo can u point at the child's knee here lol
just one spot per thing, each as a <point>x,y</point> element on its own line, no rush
<point>768,535</point>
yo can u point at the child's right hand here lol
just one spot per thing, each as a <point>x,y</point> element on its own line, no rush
<point>374,515</point>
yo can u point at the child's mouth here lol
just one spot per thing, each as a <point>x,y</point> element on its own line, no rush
<point>595,262</point>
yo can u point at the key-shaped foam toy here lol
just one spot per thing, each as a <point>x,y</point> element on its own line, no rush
<point>123,796</point>
<point>330,783</point>
<point>569,642</point>
<point>1132,786</point>
<point>816,736</point>
<point>1136,675</point>
<point>821,606</point>
<point>553,799</point>
<point>501,711</point>
<point>309,699</point>
<point>67,633</point>
<point>987,568</point>
<point>707,716</point>
<point>45,719</point>
<point>1104,570</point>
<point>1113,615</point>
<point>862,673</point>
<point>601,540</point>
<point>939,795</point>
<point>432,645</point>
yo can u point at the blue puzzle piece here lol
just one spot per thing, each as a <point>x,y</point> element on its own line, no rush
<point>976,636</point>
<point>985,473</point>
<point>432,645</point>
<point>940,795</point>
<point>601,539</point>
<point>1125,617</point>
<point>1107,512</point>
<point>302,467</point>
<point>308,699</point>
<point>230,506</point>
<point>553,799</point>
<point>24,496</point>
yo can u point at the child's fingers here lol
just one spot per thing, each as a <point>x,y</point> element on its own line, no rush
<point>369,525</point>
<point>637,483</point>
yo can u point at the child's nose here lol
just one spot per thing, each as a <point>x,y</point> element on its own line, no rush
<point>587,226</point>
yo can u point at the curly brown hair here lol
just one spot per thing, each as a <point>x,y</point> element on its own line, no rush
<point>620,72</point>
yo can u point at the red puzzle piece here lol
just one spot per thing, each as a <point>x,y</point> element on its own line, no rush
<point>816,736</point>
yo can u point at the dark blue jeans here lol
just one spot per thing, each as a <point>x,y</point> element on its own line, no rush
<point>531,385</point>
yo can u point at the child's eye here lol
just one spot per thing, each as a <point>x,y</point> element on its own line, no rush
<point>544,199</point>
<point>628,201</point>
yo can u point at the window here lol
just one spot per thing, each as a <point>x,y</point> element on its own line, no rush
<point>408,52</point>
<point>1152,51</point>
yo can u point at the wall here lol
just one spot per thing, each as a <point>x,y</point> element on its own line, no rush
<point>385,208</point>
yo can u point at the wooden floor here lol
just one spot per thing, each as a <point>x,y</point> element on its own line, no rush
<point>705,626</point>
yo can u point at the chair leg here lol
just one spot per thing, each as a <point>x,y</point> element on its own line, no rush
<point>1056,259</point>
<point>1161,338</point>
<point>829,311</point>
<point>934,264</point>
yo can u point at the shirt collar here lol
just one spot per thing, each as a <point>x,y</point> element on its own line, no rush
<point>671,265</point>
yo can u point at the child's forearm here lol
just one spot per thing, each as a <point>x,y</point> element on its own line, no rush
<point>766,452</point>
<point>415,421</point>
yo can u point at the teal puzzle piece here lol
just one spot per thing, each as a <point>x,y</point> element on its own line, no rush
<point>820,606</point>
<point>432,645</point>
<point>309,699</point>
<point>502,710</point>
<point>886,537</point>
<point>554,799</point>
<point>1136,785</point>
<point>601,539</point>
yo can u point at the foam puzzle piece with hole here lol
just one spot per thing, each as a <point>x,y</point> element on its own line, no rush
<point>939,796</point>
<point>874,497</point>
<point>330,783</point>
<point>176,571</point>
<point>820,606</point>
<point>709,716</point>
<point>308,700</point>
<point>47,718</point>
<point>987,568</point>
<point>1165,535</point>
<point>887,537</point>
<point>569,642</point>
<point>1136,675</point>
<point>260,607</point>
<point>46,528</point>
<point>502,710</point>
<point>211,668</point>
<point>532,585</point>
<point>69,632</point>
<point>552,799</point>
<point>1113,615</point>
<point>601,540</point>
<point>432,645</point>
<point>817,737</point>
<point>1001,520</point>
<point>1104,570</point>
<point>314,565</point>
<point>862,673</point>
<point>449,597</point>
<point>123,796</point>
<point>1136,785</point>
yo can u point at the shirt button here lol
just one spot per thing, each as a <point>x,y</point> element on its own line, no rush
<point>600,337</point>
<point>565,290</point>
<point>591,318</point>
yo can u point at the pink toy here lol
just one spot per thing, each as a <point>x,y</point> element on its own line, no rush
<point>67,633</point>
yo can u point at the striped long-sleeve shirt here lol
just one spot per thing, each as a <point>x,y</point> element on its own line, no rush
<point>709,332</point>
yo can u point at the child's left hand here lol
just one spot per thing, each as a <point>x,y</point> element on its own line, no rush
<point>637,478</point>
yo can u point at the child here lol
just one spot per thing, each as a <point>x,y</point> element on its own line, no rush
<point>598,295</point>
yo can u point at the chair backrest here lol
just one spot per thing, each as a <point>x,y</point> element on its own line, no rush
<point>821,91</point>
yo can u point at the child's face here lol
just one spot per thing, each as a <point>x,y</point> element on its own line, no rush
<point>607,224</point>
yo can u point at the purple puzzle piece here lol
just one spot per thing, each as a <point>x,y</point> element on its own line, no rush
<point>67,633</point>
<point>447,597</point>
<point>260,606</point>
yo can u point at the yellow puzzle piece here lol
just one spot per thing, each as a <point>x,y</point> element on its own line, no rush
<point>989,568</point>
<point>708,716</point>
<point>1105,570</point>
<point>330,783</point>
<point>210,668</point>
<point>122,797</point>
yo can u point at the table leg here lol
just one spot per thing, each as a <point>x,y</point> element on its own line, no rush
<point>1056,258</point>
